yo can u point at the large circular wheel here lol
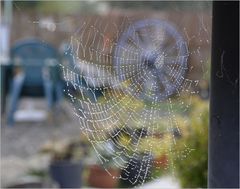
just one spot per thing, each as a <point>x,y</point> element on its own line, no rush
<point>151,59</point>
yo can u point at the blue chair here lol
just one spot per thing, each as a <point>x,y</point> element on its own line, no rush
<point>36,73</point>
<point>68,60</point>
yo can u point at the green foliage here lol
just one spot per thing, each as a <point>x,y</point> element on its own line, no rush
<point>68,150</point>
<point>38,173</point>
<point>192,169</point>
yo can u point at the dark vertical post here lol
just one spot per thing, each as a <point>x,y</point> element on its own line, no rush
<point>224,104</point>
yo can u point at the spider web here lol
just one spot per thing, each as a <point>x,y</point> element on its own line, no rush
<point>124,89</point>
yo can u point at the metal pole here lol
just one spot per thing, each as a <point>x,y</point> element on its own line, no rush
<point>5,27</point>
<point>224,102</point>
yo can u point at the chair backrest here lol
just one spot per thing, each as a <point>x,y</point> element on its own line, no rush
<point>69,56</point>
<point>32,56</point>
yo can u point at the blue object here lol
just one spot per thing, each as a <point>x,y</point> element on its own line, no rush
<point>151,55</point>
<point>69,61</point>
<point>67,174</point>
<point>35,64</point>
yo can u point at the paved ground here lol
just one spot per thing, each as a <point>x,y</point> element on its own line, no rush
<point>20,144</point>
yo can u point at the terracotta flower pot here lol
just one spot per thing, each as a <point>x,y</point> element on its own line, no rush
<point>161,161</point>
<point>99,178</point>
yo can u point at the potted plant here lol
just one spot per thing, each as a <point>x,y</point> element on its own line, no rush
<point>192,169</point>
<point>138,162</point>
<point>100,178</point>
<point>103,172</point>
<point>138,169</point>
<point>66,161</point>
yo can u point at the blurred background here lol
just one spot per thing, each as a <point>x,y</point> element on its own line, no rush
<point>43,143</point>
